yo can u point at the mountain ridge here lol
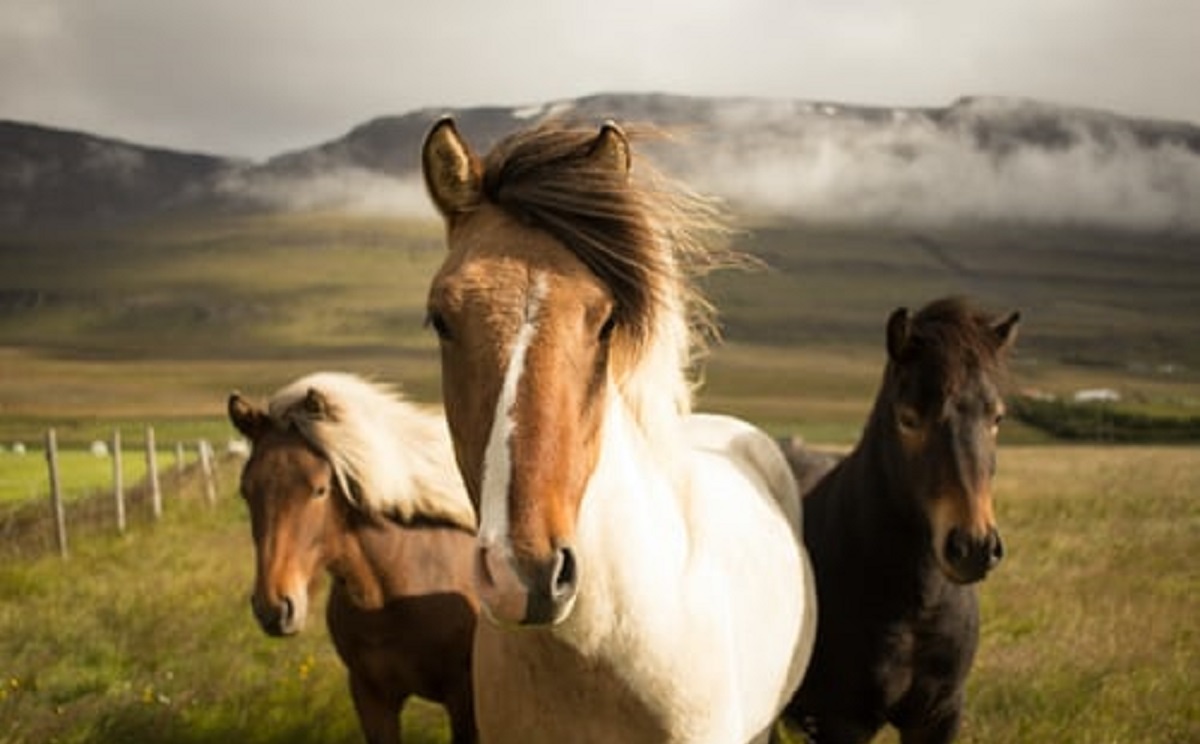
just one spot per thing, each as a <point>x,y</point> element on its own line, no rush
<point>979,158</point>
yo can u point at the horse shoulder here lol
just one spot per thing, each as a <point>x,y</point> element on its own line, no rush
<point>753,453</point>
<point>759,535</point>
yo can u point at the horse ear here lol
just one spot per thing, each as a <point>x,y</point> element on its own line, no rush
<point>316,406</point>
<point>611,150</point>
<point>1006,331</point>
<point>247,419</point>
<point>452,172</point>
<point>897,333</point>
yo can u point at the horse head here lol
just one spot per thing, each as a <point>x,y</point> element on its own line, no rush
<point>527,329</point>
<point>943,401</point>
<point>287,486</point>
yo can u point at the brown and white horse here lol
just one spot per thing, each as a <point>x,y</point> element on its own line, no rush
<point>345,477</point>
<point>640,567</point>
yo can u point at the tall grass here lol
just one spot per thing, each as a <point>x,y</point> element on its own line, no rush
<point>1089,630</point>
<point>149,638</point>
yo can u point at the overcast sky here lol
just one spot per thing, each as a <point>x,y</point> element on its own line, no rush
<point>257,77</point>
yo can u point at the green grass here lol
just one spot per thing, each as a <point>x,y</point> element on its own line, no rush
<point>1089,630</point>
<point>81,474</point>
<point>1088,625</point>
<point>149,638</point>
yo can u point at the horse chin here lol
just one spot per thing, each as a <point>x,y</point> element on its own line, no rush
<point>962,578</point>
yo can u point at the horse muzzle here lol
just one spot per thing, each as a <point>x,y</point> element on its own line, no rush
<point>526,592</point>
<point>968,558</point>
<point>282,617</point>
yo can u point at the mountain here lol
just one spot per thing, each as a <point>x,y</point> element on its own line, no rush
<point>52,177</point>
<point>989,159</point>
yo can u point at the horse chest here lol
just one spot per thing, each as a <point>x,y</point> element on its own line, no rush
<point>530,687</point>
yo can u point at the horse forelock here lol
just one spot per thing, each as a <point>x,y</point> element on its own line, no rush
<point>389,456</point>
<point>643,235</point>
<point>960,340</point>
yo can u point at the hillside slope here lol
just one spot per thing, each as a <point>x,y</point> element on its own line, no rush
<point>979,159</point>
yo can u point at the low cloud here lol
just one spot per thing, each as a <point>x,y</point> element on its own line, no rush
<point>344,188</point>
<point>907,167</point>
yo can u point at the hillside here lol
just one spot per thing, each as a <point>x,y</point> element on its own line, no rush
<point>199,274</point>
<point>978,159</point>
<point>171,316</point>
<point>51,178</point>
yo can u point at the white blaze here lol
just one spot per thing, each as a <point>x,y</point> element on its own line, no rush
<point>497,458</point>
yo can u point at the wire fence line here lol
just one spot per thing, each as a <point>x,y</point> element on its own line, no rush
<point>35,526</point>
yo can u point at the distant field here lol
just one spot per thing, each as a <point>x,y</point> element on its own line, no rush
<point>166,319</point>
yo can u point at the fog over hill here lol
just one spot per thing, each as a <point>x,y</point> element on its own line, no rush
<point>977,159</point>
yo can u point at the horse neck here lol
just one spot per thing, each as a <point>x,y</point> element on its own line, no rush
<point>656,393</point>
<point>359,552</point>
<point>874,491</point>
<point>633,505</point>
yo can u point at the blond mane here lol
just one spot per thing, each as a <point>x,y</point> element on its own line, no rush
<point>389,456</point>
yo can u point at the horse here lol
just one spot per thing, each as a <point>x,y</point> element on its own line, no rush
<point>346,477</point>
<point>900,530</point>
<point>639,566</point>
<point>808,465</point>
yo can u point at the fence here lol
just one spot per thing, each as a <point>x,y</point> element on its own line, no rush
<point>31,527</point>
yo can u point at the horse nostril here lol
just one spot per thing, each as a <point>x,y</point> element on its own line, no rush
<point>957,546</point>
<point>287,612</point>
<point>997,548</point>
<point>565,574</point>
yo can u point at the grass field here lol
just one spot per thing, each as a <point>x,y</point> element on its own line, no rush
<point>1089,625</point>
<point>81,473</point>
<point>1089,631</point>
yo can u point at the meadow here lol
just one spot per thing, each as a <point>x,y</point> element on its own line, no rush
<point>1089,630</point>
<point>1089,625</point>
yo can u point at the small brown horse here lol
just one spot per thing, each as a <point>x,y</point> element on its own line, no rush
<point>900,529</point>
<point>347,478</point>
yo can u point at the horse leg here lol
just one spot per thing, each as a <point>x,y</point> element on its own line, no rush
<point>378,715</point>
<point>460,707</point>
<point>839,731</point>
<point>940,730</point>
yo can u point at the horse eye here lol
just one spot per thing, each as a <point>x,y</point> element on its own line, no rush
<point>321,491</point>
<point>908,419</point>
<point>609,326</point>
<point>435,321</point>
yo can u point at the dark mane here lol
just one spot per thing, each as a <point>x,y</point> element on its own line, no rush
<point>959,338</point>
<point>639,233</point>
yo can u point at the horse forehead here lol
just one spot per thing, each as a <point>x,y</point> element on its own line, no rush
<point>283,456</point>
<point>495,264</point>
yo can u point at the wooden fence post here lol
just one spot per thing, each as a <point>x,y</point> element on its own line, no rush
<point>118,481</point>
<point>152,474</point>
<point>179,466</point>
<point>206,467</point>
<point>60,520</point>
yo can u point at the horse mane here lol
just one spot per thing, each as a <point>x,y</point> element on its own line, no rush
<point>389,456</point>
<point>961,336</point>
<point>647,237</point>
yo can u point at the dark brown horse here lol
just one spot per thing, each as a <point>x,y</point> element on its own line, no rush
<point>346,478</point>
<point>899,531</point>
